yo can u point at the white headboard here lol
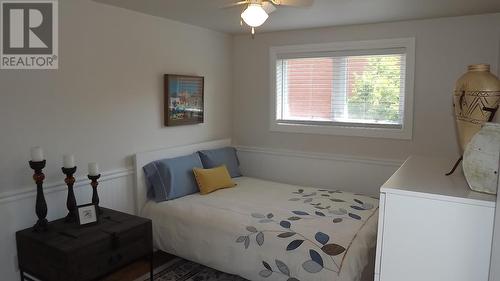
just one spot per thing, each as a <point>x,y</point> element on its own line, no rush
<point>144,158</point>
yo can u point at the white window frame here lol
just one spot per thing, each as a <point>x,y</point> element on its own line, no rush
<point>360,130</point>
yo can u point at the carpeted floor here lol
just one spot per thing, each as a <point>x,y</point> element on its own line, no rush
<point>182,270</point>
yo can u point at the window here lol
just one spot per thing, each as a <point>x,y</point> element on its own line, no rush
<point>349,88</point>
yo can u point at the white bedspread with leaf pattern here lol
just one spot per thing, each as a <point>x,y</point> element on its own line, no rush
<point>263,230</point>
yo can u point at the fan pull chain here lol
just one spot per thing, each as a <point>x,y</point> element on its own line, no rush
<point>253,33</point>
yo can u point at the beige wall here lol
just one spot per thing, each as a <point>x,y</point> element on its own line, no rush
<point>495,251</point>
<point>444,48</point>
<point>105,101</point>
<point>497,116</point>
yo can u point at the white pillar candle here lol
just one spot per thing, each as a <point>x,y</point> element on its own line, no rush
<point>68,161</point>
<point>37,154</point>
<point>93,169</point>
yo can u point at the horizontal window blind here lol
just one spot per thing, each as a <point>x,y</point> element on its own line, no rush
<point>351,89</point>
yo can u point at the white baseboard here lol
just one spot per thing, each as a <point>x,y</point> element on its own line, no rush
<point>350,173</point>
<point>17,208</point>
<point>25,192</point>
<point>322,156</point>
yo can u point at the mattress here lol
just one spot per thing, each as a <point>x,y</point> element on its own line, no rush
<point>263,230</point>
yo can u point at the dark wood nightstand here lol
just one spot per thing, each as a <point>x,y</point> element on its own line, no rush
<point>69,252</point>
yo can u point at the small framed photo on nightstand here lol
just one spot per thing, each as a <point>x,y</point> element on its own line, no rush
<point>87,214</point>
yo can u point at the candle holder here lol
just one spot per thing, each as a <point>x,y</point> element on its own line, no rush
<point>41,204</point>
<point>95,196</point>
<point>70,201</point>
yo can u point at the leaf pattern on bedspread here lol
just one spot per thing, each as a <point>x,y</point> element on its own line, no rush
<point>281,268</point>
<point>332,207</point>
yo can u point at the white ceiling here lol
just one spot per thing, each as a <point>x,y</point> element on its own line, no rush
<point>207,13</point>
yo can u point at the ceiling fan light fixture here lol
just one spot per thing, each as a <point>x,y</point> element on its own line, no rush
<point>254,15</point>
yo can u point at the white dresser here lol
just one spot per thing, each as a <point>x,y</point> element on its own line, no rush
<point>433,227</point>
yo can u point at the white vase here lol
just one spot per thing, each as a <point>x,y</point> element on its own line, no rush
<point>481,159</point>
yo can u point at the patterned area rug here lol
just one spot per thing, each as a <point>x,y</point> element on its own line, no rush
<point>183,270</point>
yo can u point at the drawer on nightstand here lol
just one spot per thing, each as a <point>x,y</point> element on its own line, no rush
<point>120,249</point>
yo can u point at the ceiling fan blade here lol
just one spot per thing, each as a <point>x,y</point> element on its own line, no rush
<point>293,3</point>
<point>234,4</point>
<point>268,7</point>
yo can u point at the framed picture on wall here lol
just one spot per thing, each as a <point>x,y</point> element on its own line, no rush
<point>183,100</point>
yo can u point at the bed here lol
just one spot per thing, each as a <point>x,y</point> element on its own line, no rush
<point>263,230</point>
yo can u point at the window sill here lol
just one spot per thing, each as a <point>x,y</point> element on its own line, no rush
<point>367,132</point>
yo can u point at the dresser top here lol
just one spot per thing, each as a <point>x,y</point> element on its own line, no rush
<point>425,177</point>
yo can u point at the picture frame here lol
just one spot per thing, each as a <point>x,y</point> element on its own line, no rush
<point>87,214</point>
<point>183,100</point>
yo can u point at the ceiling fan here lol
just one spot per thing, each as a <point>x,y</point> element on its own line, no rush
<point>256,12</point>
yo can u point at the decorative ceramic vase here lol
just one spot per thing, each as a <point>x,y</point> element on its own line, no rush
<point>481,159</point>
<point>477,95</point>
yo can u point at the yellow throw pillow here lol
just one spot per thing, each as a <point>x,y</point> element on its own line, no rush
<point>210,180</point>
